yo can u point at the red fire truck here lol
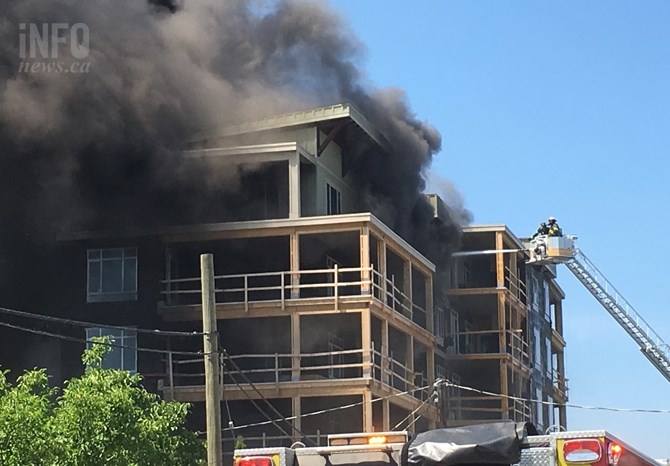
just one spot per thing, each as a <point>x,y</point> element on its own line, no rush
<point>501,443</point>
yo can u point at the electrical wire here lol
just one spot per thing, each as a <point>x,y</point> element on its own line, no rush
<point>428,398</point>
<point>237,368</point>
<point>330,410</point>
<point>253,402</point>
<point>551,403</point>
<point>83,340</point>
<point>79,323</point>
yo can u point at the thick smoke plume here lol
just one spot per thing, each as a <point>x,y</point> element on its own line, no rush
<point>102,149</point>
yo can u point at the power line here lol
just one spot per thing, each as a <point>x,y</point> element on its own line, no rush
<point>428,398</point>
<point>237,368</point>
<point>330,410</point>
<point>253,402</point>
<point>551,403</point>
<point>82,340</point>
<point>79,323</point>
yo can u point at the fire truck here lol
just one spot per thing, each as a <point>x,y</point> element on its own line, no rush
<point>498,443</point>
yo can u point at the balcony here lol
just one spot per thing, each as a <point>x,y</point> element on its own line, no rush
<point>487,343</point>
<point>312,374</point>
<point>238,294</point>
<point>472,408</point>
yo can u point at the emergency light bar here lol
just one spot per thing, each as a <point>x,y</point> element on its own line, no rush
<point>375,438</point>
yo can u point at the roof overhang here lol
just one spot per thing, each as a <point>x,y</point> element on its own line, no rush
<point>329,114</point>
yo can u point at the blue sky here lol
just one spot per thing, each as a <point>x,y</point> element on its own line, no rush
<point>563,109</point>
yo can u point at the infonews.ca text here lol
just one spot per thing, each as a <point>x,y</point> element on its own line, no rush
<point>48,66</point>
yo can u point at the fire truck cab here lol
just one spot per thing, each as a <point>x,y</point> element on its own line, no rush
<point>494,444</point>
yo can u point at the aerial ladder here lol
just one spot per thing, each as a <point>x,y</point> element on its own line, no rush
<point>544,250</point>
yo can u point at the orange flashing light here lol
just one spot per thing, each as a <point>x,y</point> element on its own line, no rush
<point>378,440</point>
<point>614,451</point>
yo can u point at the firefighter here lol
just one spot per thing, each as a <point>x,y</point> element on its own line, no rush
<point>541,231</point>
<point>554,229</point>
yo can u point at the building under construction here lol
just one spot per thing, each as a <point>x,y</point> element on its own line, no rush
<point>331,311</point>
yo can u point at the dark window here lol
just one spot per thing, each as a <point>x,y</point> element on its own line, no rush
<point>112,275</point>
<point>334,200</point>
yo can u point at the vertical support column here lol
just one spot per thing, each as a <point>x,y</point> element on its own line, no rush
<point>295,347</point>
<point>407,283</point>
<point>368,426</point>
<point>409,363</point>
<point>385,353</point>
<point>563,417</point>
<point>500,261</point>
<point>297,422</point>
<point>364,243</point>
<point>430,307</point>
<point>502,341</point>
<point>430,364</point>
<point>381,267</point>
<point>294,186</point>
<point>514,275</point>
<point>366,343</point>
<point>294,245</point>
<point>386,415</point>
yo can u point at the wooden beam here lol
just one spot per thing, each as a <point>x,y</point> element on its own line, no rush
<point>500,261</point>
<point>430,307</point>
<point>385,351</point>
<point>364,254</point>
<point>294,245</point>
<point>368,425</point>
<point>294,186</point>
<point>297,421</point>
<point>295,347</point>
<point>386,415</point>
<point>331,136</point>
<point>366,342</point>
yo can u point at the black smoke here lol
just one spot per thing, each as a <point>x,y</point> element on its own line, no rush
<point>102,149</point>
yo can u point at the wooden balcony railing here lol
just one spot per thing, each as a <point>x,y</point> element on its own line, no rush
<point>283,287</point>
<point>278,368</point>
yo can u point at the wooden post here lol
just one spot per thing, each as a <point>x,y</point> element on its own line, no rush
<point>294,245</point>
<point>365,259</point>
<point>212,362</point>
<point>295,347</point>
<point>294,186</point>
<point>368,425</point>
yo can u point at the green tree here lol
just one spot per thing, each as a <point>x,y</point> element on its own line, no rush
<point>104,417</point>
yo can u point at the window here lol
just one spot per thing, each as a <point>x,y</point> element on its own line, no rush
<point>333,200</point>
<point>124,355</point>
<point>438,324</point>
<point>112,275</point>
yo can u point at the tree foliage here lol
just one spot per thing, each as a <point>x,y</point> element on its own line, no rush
<point>104,417</point>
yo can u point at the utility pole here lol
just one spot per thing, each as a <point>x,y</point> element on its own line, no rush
<point>212,362</point>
